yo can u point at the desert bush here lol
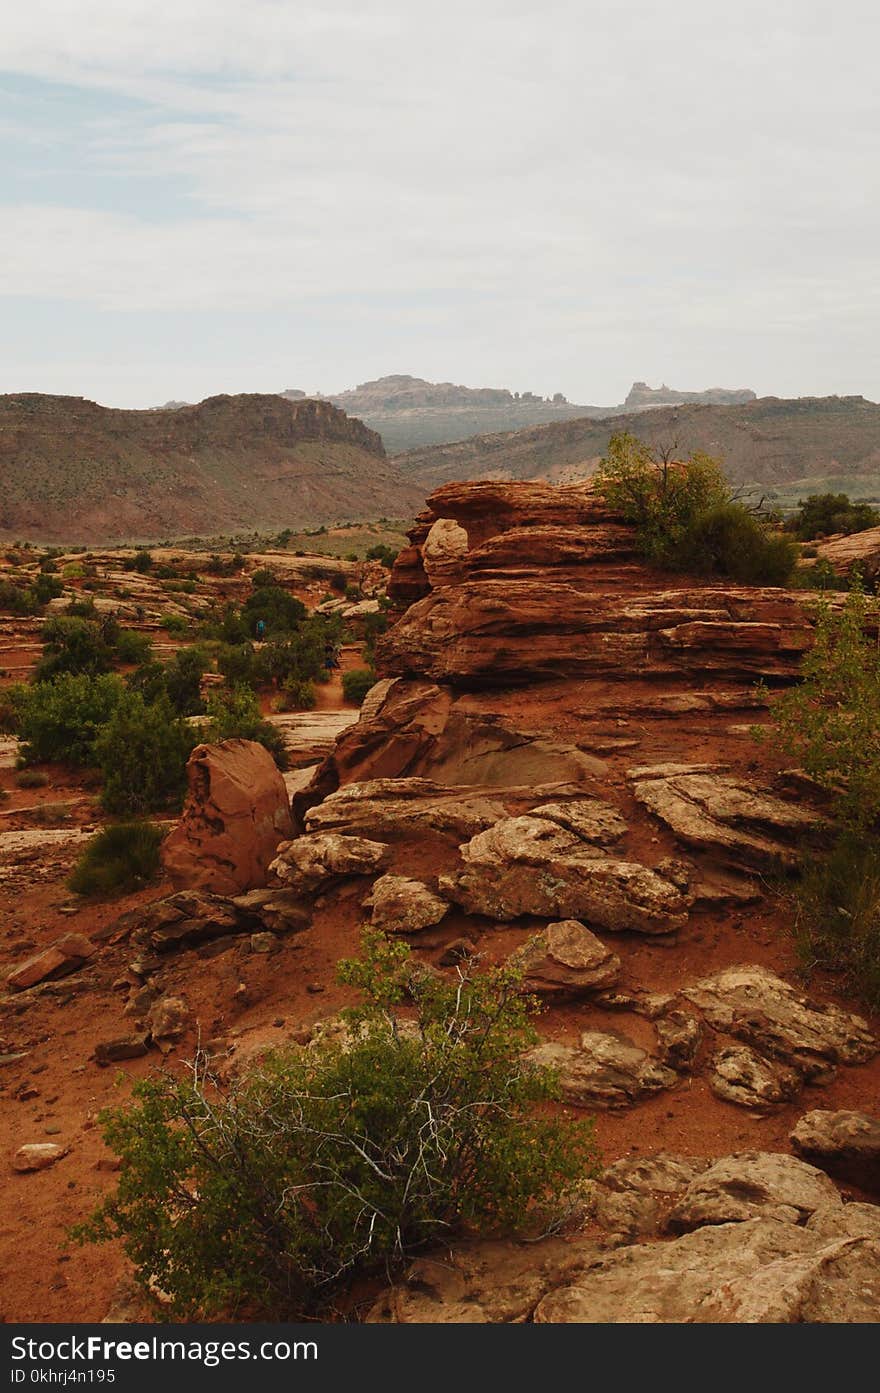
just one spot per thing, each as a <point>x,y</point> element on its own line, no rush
<point>31,778</point>
<point>686,518</point>
<point>837,914</point>
<point>17,598</point>
<point>265,1196</point>
<point>47,587</point>
<point>142,561</point>
<point>117,860</point>
<point>73,645</point>
<point>183,679</point>
<point>235,715</point>
<point>728,540</point>
<point>830,725</point>
<point>830,722</point>
<point>382,552</point>
<point>174,624</point>
<point>142,752</point>
<point>131,646</point>
<point>280,612</point>
<point>356,683</point>
<point>297,694</point>
<point>824,514</point>
<point>61,719</point>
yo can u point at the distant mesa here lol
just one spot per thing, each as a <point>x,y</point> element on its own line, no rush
<point>75,471</point>
<point>640,395</point>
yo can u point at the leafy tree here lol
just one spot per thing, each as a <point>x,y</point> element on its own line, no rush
<point>142,753</point>
<point>61,719</point>
<point>279,611</point>
<point>685,516</point>
<point>74,645</point>
<point>824,514</point>
<point>264,1196</point>
<point>830,724</point>
<point>235,715</point>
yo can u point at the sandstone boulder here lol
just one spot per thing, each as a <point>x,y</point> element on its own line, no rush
<point>566,960</point>
<point>236,813</point>
<point>310,863</point>
<point>757,1006</point>
<point>65,955</point>
<point>605,1071</point>
<point>443,552</point>
<point>712,811</point>
<point>400,905</point>
<point>751,1185</point>
<point>37,1156</point>
<point>845,1143</point>
<point>532,865</point>
<point>760,1271</point>
<point>740,1075</point>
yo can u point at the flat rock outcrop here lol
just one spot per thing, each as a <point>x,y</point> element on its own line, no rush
<point>844,1143</point>
<point>604,1071</point>
<point>532,865</point>
<point>236,813</point>
<point>735,820</point>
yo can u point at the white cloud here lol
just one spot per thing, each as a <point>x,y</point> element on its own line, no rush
<point>603,190</point>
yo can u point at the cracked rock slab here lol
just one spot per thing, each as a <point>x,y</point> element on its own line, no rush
<point>755,1005</point>
<point>532,865</point>
<point>606,1071</point>
<point>740,1075</point>
<point>711,811</point>
<point>759,1271</point>
<point>311,862</point>
<point>845,1143</point>
<point>750,1185</point>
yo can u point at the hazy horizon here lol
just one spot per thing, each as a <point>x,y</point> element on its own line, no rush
<point>558,198</point>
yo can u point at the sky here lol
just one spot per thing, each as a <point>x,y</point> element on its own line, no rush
<point>247,195</point>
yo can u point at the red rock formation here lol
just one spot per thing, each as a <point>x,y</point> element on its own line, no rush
<point>237,811</point>
<point>538,595</point>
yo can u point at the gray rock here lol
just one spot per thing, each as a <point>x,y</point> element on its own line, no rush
<point>310,863</point>
<point>739,1075</point>
<point>400,905</point>
<point>565,959</point>
<point>607,1071</point>
<point>750,1185</point>
<point>845,1143</point>
<point>755,1005</point>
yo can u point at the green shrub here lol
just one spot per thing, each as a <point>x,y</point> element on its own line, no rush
<point>356,683</point>
<point>728,540</point>
<point>235,715</point>
<point>118,860</point>
<point>297,694</point>
<point>141,561</point>
<point>830,725</point>
<point>142,752</point>
<point>267,1196</point>
<point>47,587</point>
<point>73,645</point>
<point>183,681</point>
<point>16,598</point>
<point>174,624</point>
<point>824,514</point>
<point>381,552</point>
<point>837,914</point>
<point>60,719</point>
<point>132,646</point>
<point>279,611</point>
<point>685,517</point>
<point>31,778</point>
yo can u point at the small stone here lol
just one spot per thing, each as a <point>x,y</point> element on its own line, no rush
<point>113,1051</point>
<point>263,943</point>
<point>37,1156</point>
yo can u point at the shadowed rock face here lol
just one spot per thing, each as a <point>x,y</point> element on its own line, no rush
<point>236,813</point>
